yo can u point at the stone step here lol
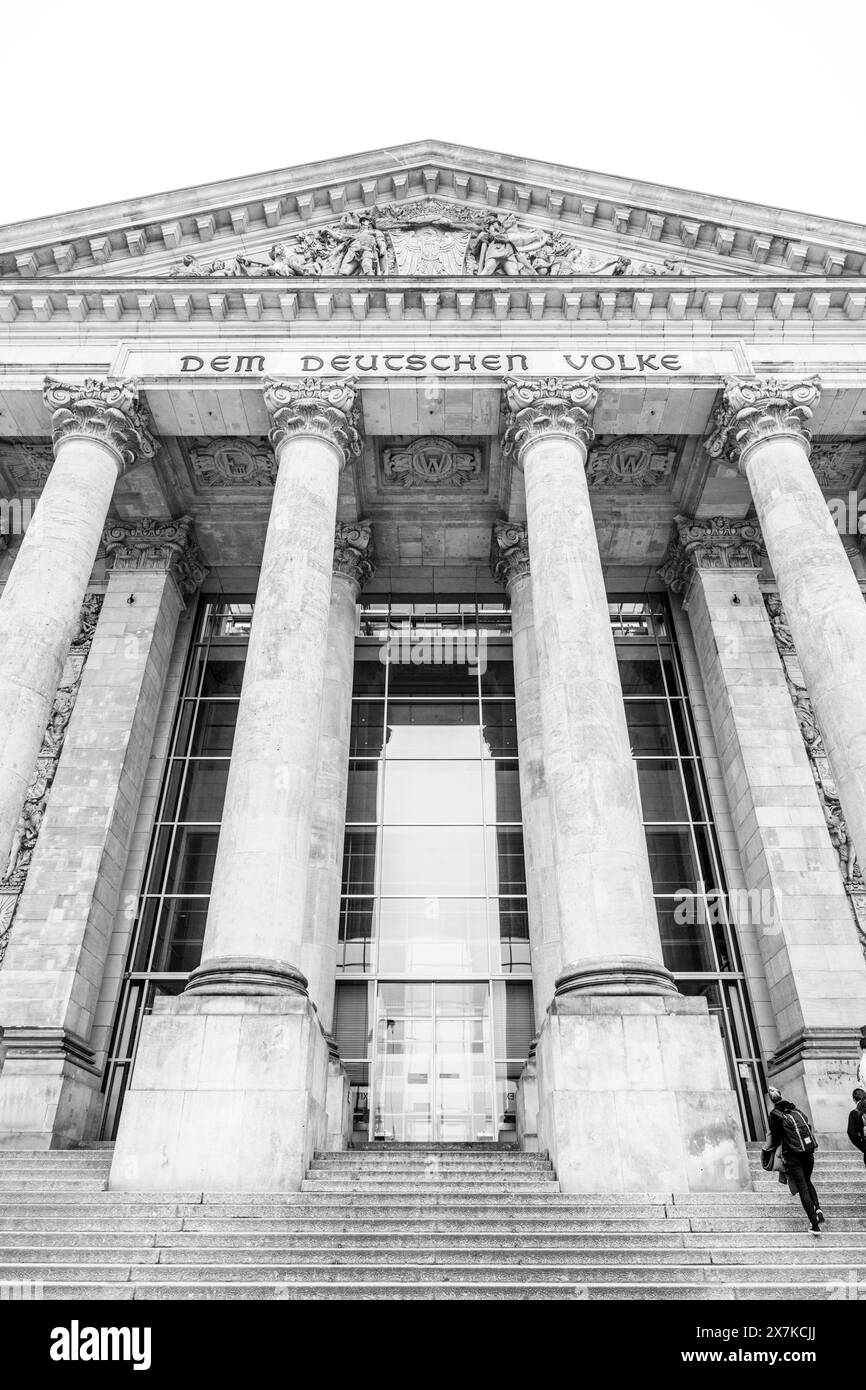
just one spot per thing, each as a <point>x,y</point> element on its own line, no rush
<point>422,1291</point>
<point>304,1273</point>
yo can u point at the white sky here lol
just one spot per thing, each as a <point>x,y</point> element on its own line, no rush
<point>743,98</point>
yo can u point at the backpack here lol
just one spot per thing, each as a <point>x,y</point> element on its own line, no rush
<point>798,1136</point>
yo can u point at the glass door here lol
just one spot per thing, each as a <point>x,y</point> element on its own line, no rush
<point>433,1072</point>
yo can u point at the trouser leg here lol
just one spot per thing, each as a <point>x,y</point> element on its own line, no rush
<point>798,1176</point>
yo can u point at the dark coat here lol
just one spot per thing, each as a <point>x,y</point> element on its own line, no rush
<point>857,1127</point>
<point>779,1130</point>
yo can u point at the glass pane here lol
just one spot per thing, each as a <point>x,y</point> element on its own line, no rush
<point>432,678</point>
<point>510,920</point>
<point>369,673</point>
<point>464,1110</point>
<point>497,667</point>
<point>192,861</point>
<point>513,1019</point>
<point>502,791</point>
<point>362,793</point>
<point>204,791</point>
<point>224,672</point>
<point>672,860</point>
<point>403,1083</point>
<point>444,793</point>
<point>499,729</point>
<point>181,934</point>
<point>355,951</point>
<point>148,912</point>
<point>433,936</point>
<point>159,858</point>
<point>215,727</point>
<point>367,734</point>
<point>661,790</point>
<point>433,861</point>
<point>505,867</point>
<point>351,1020</point>
<point>685,934</point>
<point>427,729</point>
<point>359,861</point>
<point>649,726</point>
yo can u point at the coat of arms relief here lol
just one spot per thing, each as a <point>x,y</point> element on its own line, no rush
<point>428,236</point>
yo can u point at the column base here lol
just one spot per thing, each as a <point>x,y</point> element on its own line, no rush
<point>49,1089</point>
<point>239,975</point>
<point>228,1094</point>
<point>619,975</point>
<point>634,1096</point>
<point>816,1068</point>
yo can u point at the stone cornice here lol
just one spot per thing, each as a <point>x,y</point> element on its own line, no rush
<point>453,299</point>
<point>712,544</point>
<point>541,407</point>
<point>313,407</point>
<point>353,551</point>
<point>757,409</point>
<point>105,411</point>
<point>151,543</point>
<point>640,213</point>
<point>509,554</point>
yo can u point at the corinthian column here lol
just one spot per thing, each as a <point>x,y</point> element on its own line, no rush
<point>510,566</point>
<point>607,919</point>
<point>762,428</point>
<point>255,923</point>
<point>353,566</point>
<point>618,1040</point>
<point>98,431</point>
<point>230,1087</point>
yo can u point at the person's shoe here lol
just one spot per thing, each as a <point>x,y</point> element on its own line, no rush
<point>820,1217</point>
<point>816,1230</point>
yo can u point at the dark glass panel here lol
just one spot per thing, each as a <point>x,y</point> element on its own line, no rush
<point>204,791</point>
<point>672,860</point>
<point>351,1020</point>
<point>649,727</point>
<point>192,860</point>
<point>513,1021</point>
<point>368,677</point>
<point>640,670</point>
<point>362,794</point>
<point>159,858</point>
<point>367,736</point>
<point>511,925</point>
<point>180,935</point>
<point>499,728</point>
<point>661,790</point>
<point>432,678</point>
<point>224,672</point>
<point>505,866</point>
<point>146,924</point>
<point>359,861</point>
<point>356,935</point>
<point>214,728</point>
<point>497,667</point>
<point>685,934</point>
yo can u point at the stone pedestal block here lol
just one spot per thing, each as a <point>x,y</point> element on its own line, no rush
<point>229,1094</point>
<point>48,1089</point>
<point>527,1109</point>
<point>635,1097</point>
<point>338,1106</point>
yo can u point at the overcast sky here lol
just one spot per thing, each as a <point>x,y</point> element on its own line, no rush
<point>744,98</point>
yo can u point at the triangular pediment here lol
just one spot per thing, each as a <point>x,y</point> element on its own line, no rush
<point>429,209</point>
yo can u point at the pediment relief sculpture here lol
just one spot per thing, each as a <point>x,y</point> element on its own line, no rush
<point>427,237</point>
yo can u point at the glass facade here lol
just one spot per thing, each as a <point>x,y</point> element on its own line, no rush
<point>434,885</point>
<point>433,1010</point>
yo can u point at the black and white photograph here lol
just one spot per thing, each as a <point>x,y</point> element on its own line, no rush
<point>432,682</point>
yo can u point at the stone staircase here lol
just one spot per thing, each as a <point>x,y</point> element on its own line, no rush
<point>422,1222</point>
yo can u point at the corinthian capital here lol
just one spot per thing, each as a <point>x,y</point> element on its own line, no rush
<point>108,411</point>
<point>509,555</point>
<point>759,409</point>
<point>714,544</point>
<point>324,409</point>
<point>353,550</point>
<point>547,405</point>
<point>150,543</point>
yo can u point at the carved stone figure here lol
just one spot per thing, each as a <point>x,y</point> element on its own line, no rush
<point>500,247</point>
<point>366,251</point>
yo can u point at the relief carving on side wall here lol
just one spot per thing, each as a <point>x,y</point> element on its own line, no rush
<point>852,876</point>
<point>13,874</point>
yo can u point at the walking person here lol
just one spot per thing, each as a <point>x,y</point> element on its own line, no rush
<point>790,1129</point>
<point>861,1066</point>
<point>857,1121</point>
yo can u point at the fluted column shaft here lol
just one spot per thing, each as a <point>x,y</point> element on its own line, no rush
<point>511,567</point>
<point>608,924</point>
<point>98,430</point>
<point>254,932</point>
<point>353,565</point>
<point>764,431</point>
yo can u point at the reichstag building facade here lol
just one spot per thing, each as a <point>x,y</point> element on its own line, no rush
<point>432,672</point>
